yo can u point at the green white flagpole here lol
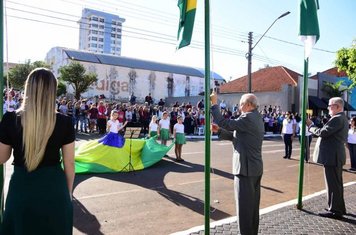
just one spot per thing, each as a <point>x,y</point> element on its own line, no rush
<point>1,100</point>
<point>187,10</point>
<point>309,33</point>
<point>207,118</point>
<point>302,134</point>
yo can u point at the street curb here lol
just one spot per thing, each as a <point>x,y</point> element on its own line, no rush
<point>262,212</point>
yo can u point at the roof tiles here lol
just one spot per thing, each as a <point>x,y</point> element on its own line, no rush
<point>266,79</point>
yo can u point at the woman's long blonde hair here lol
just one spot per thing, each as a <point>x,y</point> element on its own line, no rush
<point>38,115</point>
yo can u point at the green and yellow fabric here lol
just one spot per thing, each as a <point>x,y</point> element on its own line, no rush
<point>94,157</point>
<point>187,9</point>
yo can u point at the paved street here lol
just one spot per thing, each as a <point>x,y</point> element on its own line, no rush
<point>168,197</point>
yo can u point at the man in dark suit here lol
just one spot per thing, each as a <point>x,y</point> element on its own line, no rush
<point>330,152</point>
<point>246,134</point>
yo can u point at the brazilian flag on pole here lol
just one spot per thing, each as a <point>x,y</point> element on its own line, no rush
<point>309,25</point>
<point>309,34</point>
<point>187,10</point>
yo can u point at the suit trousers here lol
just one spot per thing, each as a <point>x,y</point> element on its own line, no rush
<point>288,144</point>
<point>247,196</point>
<point>335,189</point>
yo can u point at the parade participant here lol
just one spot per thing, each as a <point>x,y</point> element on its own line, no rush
<point>114,138</point>
<point>153,127</point>
<point>330,152</point>
<point>164,128</point>
<point>39,199</point>
<point>246,134</point>
<point>178,133</point>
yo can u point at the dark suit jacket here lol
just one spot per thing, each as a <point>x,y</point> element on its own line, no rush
<point>333,136</point>
<point>246,134</point>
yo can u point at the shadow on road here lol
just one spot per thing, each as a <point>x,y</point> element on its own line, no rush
<point>84,221</point>
<point>153,179</point>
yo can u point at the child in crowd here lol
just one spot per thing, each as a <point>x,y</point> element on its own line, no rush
<point>153,127</point>
<point>93,117</point>
<point>178,133</point>
<point>113,138</point>
<point>164,128</point>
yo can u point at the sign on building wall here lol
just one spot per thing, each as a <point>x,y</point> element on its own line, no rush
<point>116,82</point>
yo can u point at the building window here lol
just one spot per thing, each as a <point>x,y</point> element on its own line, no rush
<point>113,35</point>
<point>101,46</point>
<point>113,23</point>
<point>94,45</point>
<point>101,39</point>
<point>170,85</point>
<point>93,25</point>
<point>118,30</point>
<point>113,30</point>
<point>101,26</point>
<point>94,31</point>
<point>94,18</point>
<point>94,38</point>
<point>119,36</point>
<point>101,20</point>
<point>101,33</point>
<point>112,41</point>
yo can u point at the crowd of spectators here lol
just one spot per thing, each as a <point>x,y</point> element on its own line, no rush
<point>90,115</point>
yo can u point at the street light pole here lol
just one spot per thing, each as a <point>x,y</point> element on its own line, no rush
<point>250,48</point>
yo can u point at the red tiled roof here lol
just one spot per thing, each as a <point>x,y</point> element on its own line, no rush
<point>334,71</point>
<point>266,79</point>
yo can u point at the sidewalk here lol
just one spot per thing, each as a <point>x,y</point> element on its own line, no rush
<point>284,218</point>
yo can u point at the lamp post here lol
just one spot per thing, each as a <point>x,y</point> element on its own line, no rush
<point>250,48</point>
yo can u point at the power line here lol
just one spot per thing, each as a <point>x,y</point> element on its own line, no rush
<point>222,50</point>
<point>222,34</point>
<point>156,15</point>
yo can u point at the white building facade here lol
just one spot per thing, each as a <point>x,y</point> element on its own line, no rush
<point>100,32</point>
<point>119,77</point>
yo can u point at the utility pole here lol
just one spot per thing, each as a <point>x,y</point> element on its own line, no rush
<point>249,53</point>
<point>249,62</point>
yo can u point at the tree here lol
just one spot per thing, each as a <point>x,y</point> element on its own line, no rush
<point>18,74</point>
<point>76,76</point>
<point>62,89</point>
<point>346,61</point>
<point>333,90</point>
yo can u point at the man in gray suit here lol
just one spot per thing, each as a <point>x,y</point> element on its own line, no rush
<point>246,134</point>
<point>331,154</point>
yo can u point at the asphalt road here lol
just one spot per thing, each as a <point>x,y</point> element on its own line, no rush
<point>169,196</point>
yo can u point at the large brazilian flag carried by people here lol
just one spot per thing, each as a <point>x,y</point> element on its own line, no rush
<point>95,157</point>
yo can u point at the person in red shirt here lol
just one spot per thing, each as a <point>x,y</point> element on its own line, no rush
<point>101,118</point>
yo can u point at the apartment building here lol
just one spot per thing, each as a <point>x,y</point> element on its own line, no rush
<point>100,32</point>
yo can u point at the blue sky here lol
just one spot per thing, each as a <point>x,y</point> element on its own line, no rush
<point>31,38</point>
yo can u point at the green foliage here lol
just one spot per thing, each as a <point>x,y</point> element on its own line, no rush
<point>18,74</point>
<point>62,89</point>
<point>334,90</point>
<point>346,61</point>
<point>75,74</point>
